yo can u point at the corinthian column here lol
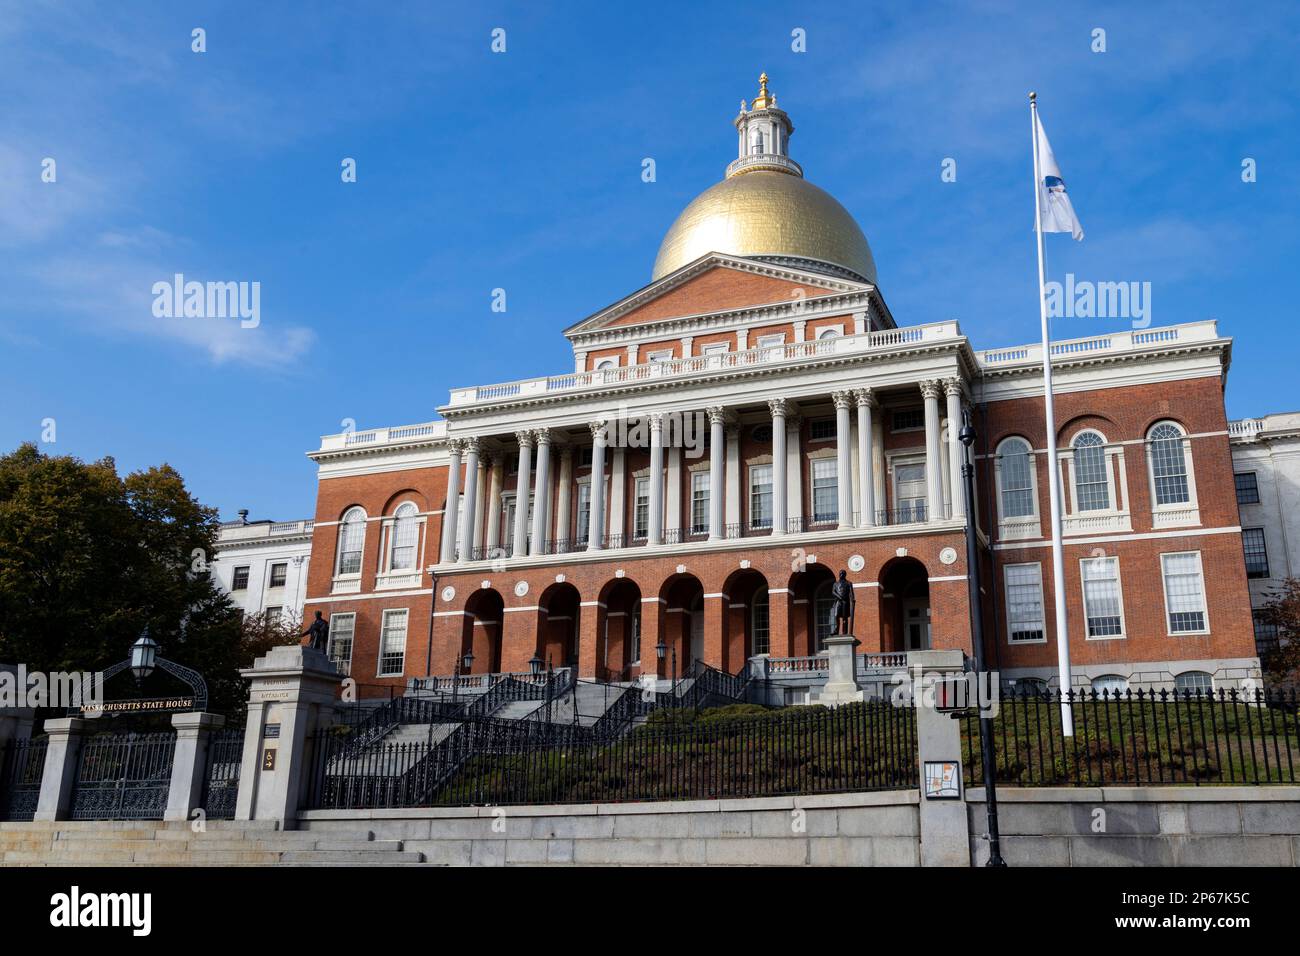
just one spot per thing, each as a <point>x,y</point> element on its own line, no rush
<point>780,514</point>
<point>866,400</point>
<point>843,465</point>
<point>520,543</point>
<point>564,498</point>
<point>933,465</point>
<point>448,549</point>
<point>596,506</point>
<point>717,455</point>
<point>542,496</point>
<point>471,501</point>
<point>655,533</point>
<point>952,389</point>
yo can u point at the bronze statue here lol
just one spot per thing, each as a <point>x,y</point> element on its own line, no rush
<point>842,601</point>
<point>319,632</point>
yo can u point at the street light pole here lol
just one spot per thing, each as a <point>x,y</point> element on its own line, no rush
<point>967,437</point>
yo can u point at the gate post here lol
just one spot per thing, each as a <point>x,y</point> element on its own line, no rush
<point>293,694</point>
<point>945,826</point>
<point>61,762</point>
<point>190,763</point>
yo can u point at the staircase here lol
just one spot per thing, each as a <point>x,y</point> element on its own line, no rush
<point>225,843</point>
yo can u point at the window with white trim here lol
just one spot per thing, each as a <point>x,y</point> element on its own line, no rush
<point>603,365</point>
<point>1166,446</point>
<point>1025,616</point>
<point>342,628</point>
<point>405,535</point>
<point>239,581</point>
<point>907,419</point>
<point>1110,685</point>
<point>823,619</point>
<point>279,575</point>
<point>1103,606</point>
<point>584,510</point>
<point>699,502</point>
<point>352,537</point>
<point>830,332</point>
<point>760,496</point>
<point>641,509</point>
<point>774,340</point>
<point>273,613</point>
<point>1184,583</point>
<point>822,429</point>
<point>1016,478</point>
<point>666,355</point>
<point>825,490</point>
<point>760,633</point>
<point>1091,472</point>
<point>715,348</point>
<point>910,492</point>
<point>1194,683</point>
<point>392,642</point>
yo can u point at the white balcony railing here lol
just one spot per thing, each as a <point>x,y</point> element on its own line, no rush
<point>384,436</point>
<point>773,355</point>
<point>238,531</point>
<point>1131,340</point>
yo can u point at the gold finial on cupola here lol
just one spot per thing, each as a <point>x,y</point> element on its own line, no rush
<point>764,98</point>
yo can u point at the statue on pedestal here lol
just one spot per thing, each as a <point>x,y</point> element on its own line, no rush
<point>319,632</point>
<point>842,601</point>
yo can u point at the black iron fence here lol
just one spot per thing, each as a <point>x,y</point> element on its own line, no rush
<point>22,763</point>
<point>124,777</point>
<point>225,757</point>
<point>684,756</point>
<point>1141,737</point>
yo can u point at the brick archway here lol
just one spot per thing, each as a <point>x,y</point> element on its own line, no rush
<point>484,610</point>
<point>558,627</point>
<point>681,612</point>
<point>904,605</point>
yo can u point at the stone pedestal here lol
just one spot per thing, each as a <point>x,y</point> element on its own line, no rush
<point>945,835</point>
<point>190,764</point>
<point>293,694</point>
<point>842,678</point>
<point>60,774</point>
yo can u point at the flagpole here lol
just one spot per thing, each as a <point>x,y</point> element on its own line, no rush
<point>1053,466</point>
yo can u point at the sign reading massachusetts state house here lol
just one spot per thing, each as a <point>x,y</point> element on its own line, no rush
<point>143,705</point>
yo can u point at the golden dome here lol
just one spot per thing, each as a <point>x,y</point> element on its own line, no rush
<point>766,213</point>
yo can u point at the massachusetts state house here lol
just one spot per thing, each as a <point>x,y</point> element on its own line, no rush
<point>756,419</point>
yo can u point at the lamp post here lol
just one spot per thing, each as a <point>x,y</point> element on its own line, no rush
<point>433,599</point>
<point>144,654</point>
<point>462,666</point>
<point>967,437</point>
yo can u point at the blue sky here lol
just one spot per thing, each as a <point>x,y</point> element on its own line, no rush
<point>522,171</point>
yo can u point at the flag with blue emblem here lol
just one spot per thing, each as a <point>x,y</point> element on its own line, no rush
<point>1053,201</point>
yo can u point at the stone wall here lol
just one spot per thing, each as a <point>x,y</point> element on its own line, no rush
<point>858,829</point>
<point>1142,826</point>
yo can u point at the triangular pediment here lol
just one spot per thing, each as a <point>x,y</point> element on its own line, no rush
<point>714,283</point>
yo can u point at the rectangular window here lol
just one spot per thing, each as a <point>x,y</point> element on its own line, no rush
<point>641,510</point>
<point>773,341</point>
<point>665,356</point>
<point>699,502</point>
<point>1091,477</point>
<point>273,614</point>
<point>1256,552</point>
<point>1025,603</point>
<point>1102,607</point>
<point>240,580</point>
<point>279,574</point>
<point>1184,592</point>
<point>715,348</point>
<point>584,510</point>
<point>760,632</point>
<point>910,492</point>
<point>1265,633</point>
<point>760,496</point>
<point>1247,488</point>
<point>908,419</point>
<point>634,642</point>
<point>822,429</point>
<point>342,627</point>
<point>392,643</point>
<point>826,490</point>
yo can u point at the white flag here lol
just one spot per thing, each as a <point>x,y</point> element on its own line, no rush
<point>1053,202</point>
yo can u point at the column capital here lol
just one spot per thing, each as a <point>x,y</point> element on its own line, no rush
<point>598,430</point>
<point>953,386</point>
<point>866,397</point>
<point>455,446</point>
<point>542,436</point>
<point>524,437</point>
<point>732,430</point>
<point>717,414</point>
<point>777,407</point>
<point>930,388</point>
<point>842,399</point>
<point>656,420</point>
<point>471,445</point>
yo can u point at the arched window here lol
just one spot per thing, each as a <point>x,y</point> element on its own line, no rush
<point>405,536</point>
<point>830,332</point>
<point>1017,478</point>
<point>352,535</point>
<point>1112,685</point>
<point>606,364</point>
<point>759,624</point>
<point>1168,464</point>
<point>1194,682</point>
<point>1091,482</point>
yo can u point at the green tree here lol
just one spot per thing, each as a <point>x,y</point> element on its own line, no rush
<point>1282,664</point>
<point>88,559</point>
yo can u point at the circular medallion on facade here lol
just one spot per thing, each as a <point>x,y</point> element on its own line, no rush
<point>448,593</point>
<point>619,573</point>
<point>856,563</point>
<point>521,588</point>
<point>948,556</point>
<point>485,585</point>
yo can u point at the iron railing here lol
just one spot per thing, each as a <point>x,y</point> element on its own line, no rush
<point>1141,737</point>
<point>868,746</point>
<point>22,763</point>
<point>225,757</point>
